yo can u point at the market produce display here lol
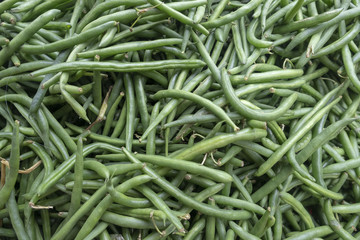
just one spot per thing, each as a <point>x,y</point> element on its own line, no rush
<point>191,119</point>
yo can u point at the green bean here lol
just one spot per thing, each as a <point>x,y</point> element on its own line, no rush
<point>141,100</point>
<point>98,167</point>
<point>346,209</point>
<point>40,94</point>
<point>199,197</point>
<point>44,156</point>
<point>111,140</point>
<point>68,164</point>
<point>172,104</point>
<point>291,14</point>
<point>68,42</point>
<point>238,42</point>
<point>312,233</point>
<point>250,34</point>
<point>319,189</point>
<point>86,184</point>
<point>130,46</point>
<point>254,147</point>
<point>199,100</point>
<point>301,96</point>
<point>190,167</point>
<point>24,35</point>
<point>150,145</point>
<point>251,113</point>
<point>223,200</point>
<point>104,235</point>
<point>334,224</point>
<point>120,67</point>
<point>299,208</point>
<point>196,229</point>
<point>219,9</point>
<point>177,15</point>
<point>210,223</point>
<point>289,142</point>
<point>120,124</point>
<point>16,221</point>
<point>267,76</point>
<point>340,42</point>
<point>4,41</point>
<point>241,232</point>
<point>329,133</point>
<point>264,222</point>
<point>7,4</point>
<point>101,227</point>
<point>116,169</point>
<point>342,166</point>
<point>230,235</point>
<point>14,163</point>
<point>161,205</point>
<point>232,16</point>
<point>186,33</point>
<point>308,22</point>
<point>95,198</point>
<point>102,7</point>
<point>94,218</point>
<point>348,14</point>
<point>131,108</point>
<point>230,154</point>
<point>108,37</point>
<point>24,68</point>
<point>203,182</point>
<point>262,67</point>
<point>198,93</point>
<point>199,14</point>
<point>126,222</point>
<point>220,141</point>
<point>60,131</point>
<point>292,160</point>
<point>168,187</point>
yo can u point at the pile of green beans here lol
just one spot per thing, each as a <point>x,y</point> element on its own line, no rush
<point>191,119</point>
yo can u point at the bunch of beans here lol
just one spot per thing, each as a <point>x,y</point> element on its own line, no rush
<point>191,119</point>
